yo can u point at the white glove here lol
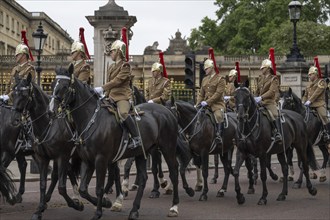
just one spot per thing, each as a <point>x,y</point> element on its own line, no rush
<point>4,97</point>
<point>99,90</point>
<point>226,98</point>
<point>203,103</point>
<point>258,99</point>
<point>150,101</point>
<point>307,103</point>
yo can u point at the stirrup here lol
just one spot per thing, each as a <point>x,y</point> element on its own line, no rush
<point>218,139</point>
<point>277,138</point>
<point>134,143</point>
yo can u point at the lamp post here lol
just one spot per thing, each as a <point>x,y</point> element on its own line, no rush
<point>294,13</point>
<point>39,38</point>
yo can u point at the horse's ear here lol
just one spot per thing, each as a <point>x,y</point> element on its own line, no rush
<point>290,91</point>
<point>247,83</point>
<point>236,84</point>
<point>71,68</point>
<point>29,78</point>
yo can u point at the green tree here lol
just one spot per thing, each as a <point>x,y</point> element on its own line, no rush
<point>245,26</point>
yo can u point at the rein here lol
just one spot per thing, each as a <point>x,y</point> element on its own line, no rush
<point>190,123</point>
<point>243,136</point>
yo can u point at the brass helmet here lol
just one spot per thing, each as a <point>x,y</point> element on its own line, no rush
<point>232,72</point>
<point>157,67</point>
<point>312,70</point>
<point>208,63</point>
<point>119,45</point>
<point>21,48</point>
<point>77,46</point>
<point>266,64</point>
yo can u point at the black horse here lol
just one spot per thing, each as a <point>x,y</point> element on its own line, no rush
<point>254,137</point>
<point>314,129</point>
<point>7,186</point>
<point>100,135</point>
<point>53,138</point>
<point>199,132</point>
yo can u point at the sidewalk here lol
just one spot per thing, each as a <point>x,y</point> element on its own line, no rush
<point>30,177</point>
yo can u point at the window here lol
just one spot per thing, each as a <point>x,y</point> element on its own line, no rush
<point>1,18</point>
<point>10,50</point>
<point>17,28</point>
<point>13,25</point>
<point>7,22</point>
<point>2,48</point>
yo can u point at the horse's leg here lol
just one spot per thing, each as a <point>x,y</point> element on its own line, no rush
<point>86,175</point>
<point>249,167</point>
<point>284,166</point>
<point>254,162</point>
<point>205,173</point>
<point>62,167</point>
<point>199,181</point>
<point>118,204</point>
<point>54,179</point>
<point>43,169</point>
<point>269,168</point>
<point>239,161</point>
<point>127,168</point>
<point>226,162</point>
<point>141,166</point>
<point>263,176</point>
<point>110,181</point>
<point>162,181</point>
<point>289,155</point>
<point>155,156</point>
<point>298,183</point>
<point>325,154</point>
<point>216,169</point>
<point>22,164</point>
<point>182,170</point>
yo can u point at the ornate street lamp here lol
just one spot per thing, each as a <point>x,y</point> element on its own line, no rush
<point>294,13</point>
<point>39,38</point>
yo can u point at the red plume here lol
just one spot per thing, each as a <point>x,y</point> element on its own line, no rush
<point>161,60</point>
<point>317,65</point>
<point>25,41</point>
<point>272,58</point>
<point>125,40</point>
<point>238,72</point>
<point>211,56</point>
<point>82,40</point>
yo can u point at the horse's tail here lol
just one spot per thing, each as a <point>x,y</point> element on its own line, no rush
<point>7,186</point>
<point>311,157</point>
<point>183,152</point>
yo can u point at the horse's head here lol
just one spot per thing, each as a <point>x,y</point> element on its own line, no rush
<point>62,91</point>
<point>22,94</point>
<point>244,101</point>
<point>290,101</point>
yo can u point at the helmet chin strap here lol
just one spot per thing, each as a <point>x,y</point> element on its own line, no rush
<point>20,59</point>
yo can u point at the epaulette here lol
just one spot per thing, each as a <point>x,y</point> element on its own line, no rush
<point>274,77</point>
<point>126,64</point>
<point>321,84</point>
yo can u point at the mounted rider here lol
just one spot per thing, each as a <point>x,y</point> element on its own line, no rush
<point>230,87</point>
<point>23,68</point>
<point>119,90</point>
<point>159,86</point>
<point>314,96</point>
<point>212,92</point>
<point>267,88</point>
<point>79,54</point>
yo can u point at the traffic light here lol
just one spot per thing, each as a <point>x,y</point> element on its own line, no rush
<point>189,78</point>
<point>202,73</point>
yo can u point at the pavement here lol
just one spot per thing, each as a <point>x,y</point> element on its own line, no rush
<point>31,175</point>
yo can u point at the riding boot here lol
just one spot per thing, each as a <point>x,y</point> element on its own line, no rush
<point>131,127</point>
<point>219,133</point>
<point>277,130</point>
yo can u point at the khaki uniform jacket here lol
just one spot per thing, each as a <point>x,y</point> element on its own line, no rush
<point>22,72</point>
<point>118,85</point>
<point>230,90</point>
<point>158,89</point>
<point>315,92</point>
<point>82,71</point>
<point>212,91</point>
<point>267,88</point>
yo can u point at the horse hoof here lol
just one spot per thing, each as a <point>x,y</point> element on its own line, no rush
<point>262,202</point>
<point>203,198</point>
<point>164,184</point>
<point>116,207</point>
<point>250,191</point>
<point>106,203</point>
<point>312,191</point>
<point>322,179</point>
<point>154,195</point>
<point>221,193</point>
<point>168,192</point>
<point>240,199</point>
<point>198,188</point>
<point>213,181</point>
<point>312,176</point>
<point>133,215</point>
<point>281,197</point>
<point>11,201</point>
<point>36,216</point>
<point>19,198</point>
<point>290,178</point>
<point>296,186</point>
<point>133,187</point>
<point>281,179</point>
<point>125,194</point>
<point>173,213</point>
<point>190,192</point>
<point>274,177</point>
<point>77,205</point>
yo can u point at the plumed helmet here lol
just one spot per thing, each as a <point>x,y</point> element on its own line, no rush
<point>208,63</point>
<point>22,48</point>
<point>232,72</point>
<point>119,45</point>
<point>312,70</point>
<point>157,67</point>
<point>77,46</point>
<point>266,64</point>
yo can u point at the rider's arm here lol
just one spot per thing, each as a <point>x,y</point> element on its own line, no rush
<point>218,95</point>
<point>318,91</point>
<point>123,76</point>
<point>270,94</point>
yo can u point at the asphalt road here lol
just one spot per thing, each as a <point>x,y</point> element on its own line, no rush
<point>298,205</point>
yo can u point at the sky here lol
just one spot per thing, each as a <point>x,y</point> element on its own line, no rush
<point>157,20</point>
